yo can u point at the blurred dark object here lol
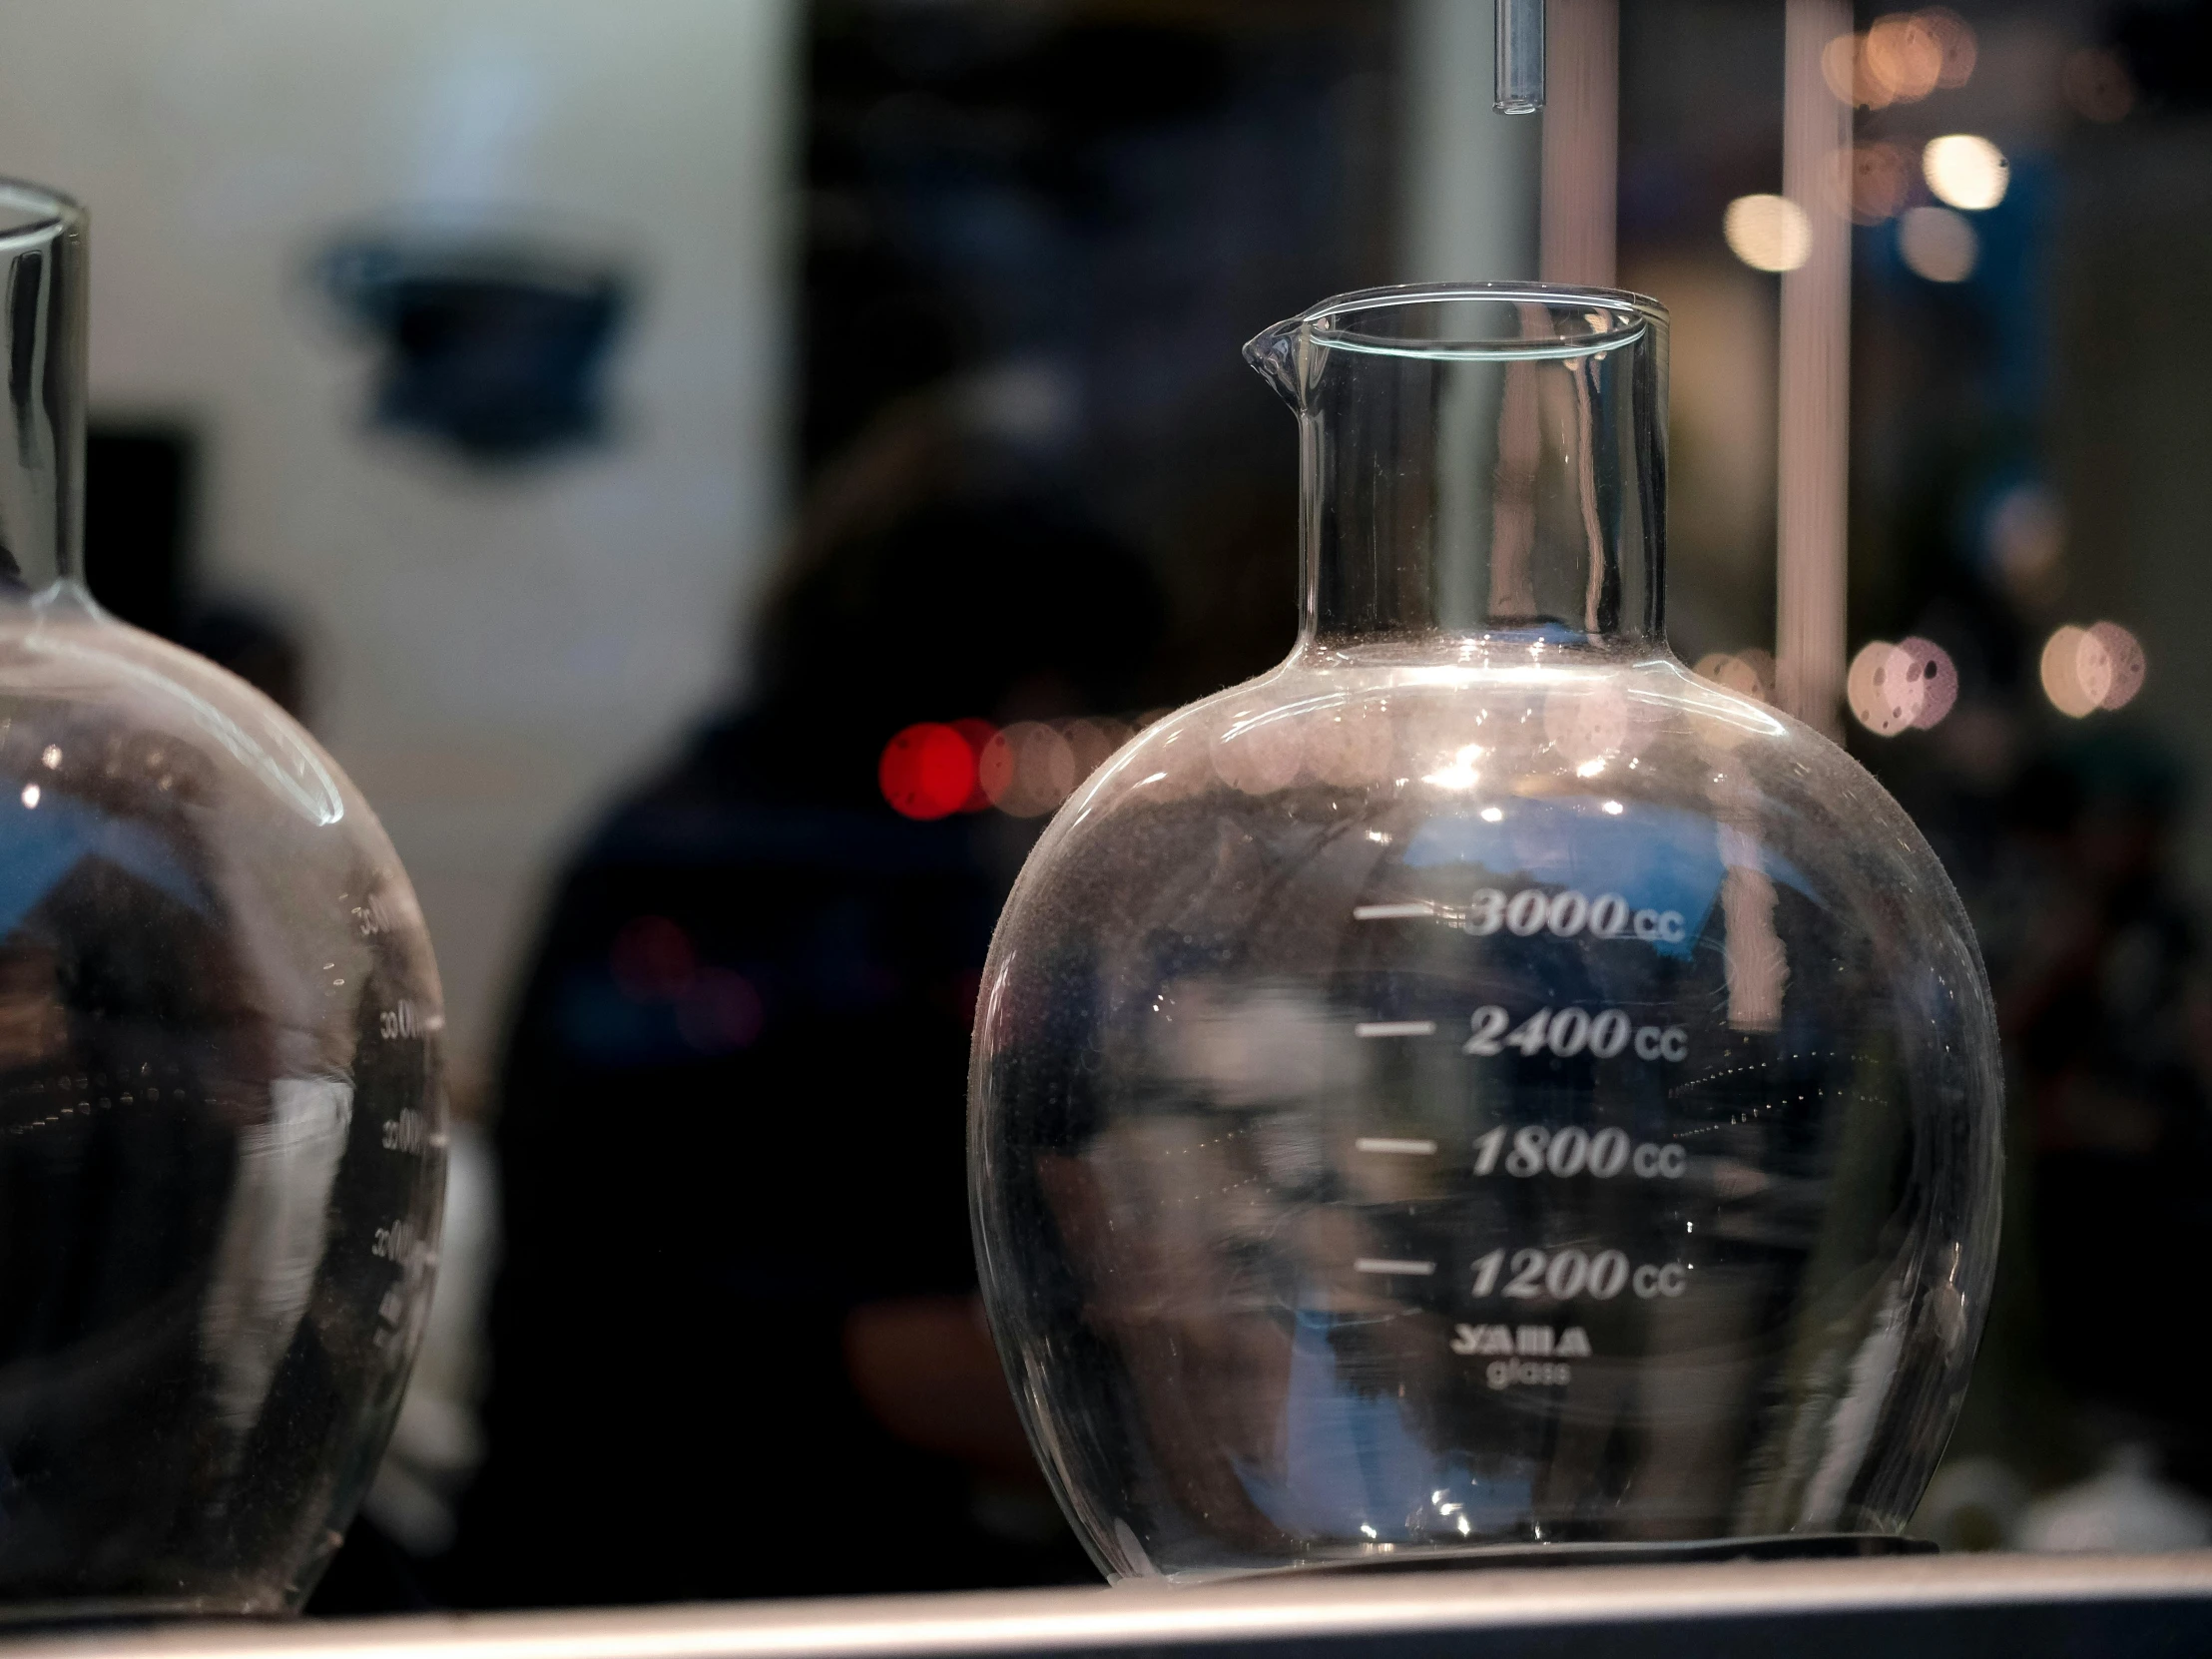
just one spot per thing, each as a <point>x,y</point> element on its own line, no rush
<point>962,601</point>
<point>2168,50</point>
<point>927,115</point>
<point>141,484</point>
<point>254,644</point>
<point>493,347</point>
<point>2107,1002</point>
<point>734,1345</point>
<point>370,1574</point>
<point>1115,200</point>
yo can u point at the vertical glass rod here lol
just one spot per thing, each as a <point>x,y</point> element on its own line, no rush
<point>1520,57</point>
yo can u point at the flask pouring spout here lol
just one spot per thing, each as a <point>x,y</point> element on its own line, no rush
<point>1278,356</point>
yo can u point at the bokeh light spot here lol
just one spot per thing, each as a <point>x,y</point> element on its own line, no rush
<point>1934,677</point>
<point>1262,757</point>
<point>2028,541</point>
<point>2125,663</point>
<point>1939,245</point>
<point>1883,690</point>
<point>1588,724</point>
<point>1750,672</point>
<point>720,1012</point>
<point>977,733</point>
<point>2096,84</point>
<point>2070,692</point>
<point>1093,742</point>
<point>1027,770</point>
<point>1965,171</point>
<point>1768,232</point>
<point>1759,663</point>
<point>1903,57</point>
<point>1842,68</point>
<point>1875,181</point>
<point>653,957</point>
<point>927,771</point>
<point>1955,37</point>
<point>2086,669</point>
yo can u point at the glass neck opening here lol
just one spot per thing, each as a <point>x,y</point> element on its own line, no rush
<point>1483,469</point>
<point>42,418</point>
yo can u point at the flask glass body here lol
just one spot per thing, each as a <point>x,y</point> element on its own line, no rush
<point>1480,1086</point>
<point>222,1114</point>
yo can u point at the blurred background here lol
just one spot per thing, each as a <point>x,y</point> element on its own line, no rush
<point>718,473</point>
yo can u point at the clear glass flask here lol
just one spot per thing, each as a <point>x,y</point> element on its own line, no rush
<point>222,1120</point>
<point>1480,1086</point>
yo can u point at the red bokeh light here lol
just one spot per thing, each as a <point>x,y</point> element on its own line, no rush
<point>978,734</point>
<point>653,957</point>
<point>927,771</point>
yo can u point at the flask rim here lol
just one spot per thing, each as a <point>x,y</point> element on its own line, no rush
<point>32,214</point>
<point>1612,319</point>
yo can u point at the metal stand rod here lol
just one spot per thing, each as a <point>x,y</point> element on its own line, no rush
<point>1581,142</point>
<point>1815,440</point>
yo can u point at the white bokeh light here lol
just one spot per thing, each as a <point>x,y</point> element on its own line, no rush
<point>1768,232</point>
<point>1939,245</point>
<point>2067,654</point>
<point>1965,171</point>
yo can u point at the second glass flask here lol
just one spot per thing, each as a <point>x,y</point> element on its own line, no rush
<point>1479,1084</point>
<point>222,1116</point>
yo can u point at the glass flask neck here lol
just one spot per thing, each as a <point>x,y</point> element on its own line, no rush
<point>1483,469</point>
<point>42,425</point>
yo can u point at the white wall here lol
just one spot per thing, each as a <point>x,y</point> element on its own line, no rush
<point>491,656</point>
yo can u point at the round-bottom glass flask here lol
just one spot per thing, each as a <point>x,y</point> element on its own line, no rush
<point>1480,1085</point>
<point>221,1122</point>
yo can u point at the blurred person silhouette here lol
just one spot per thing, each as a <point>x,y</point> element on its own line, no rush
<point>736,1345</point>
<point>2104,996</point>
